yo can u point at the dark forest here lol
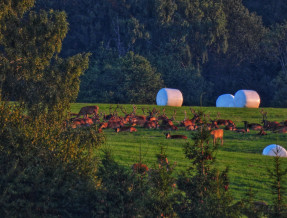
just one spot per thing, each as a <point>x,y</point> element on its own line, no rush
<point>200,47</point>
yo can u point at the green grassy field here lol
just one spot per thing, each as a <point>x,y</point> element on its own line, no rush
<point>241,152</point>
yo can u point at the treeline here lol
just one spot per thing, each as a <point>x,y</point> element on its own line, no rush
<point>202,47</point>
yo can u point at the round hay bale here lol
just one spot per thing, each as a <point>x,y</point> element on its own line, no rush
<point>273,149</point>
<point>225,100</point>
<point>247,98</point>
<point>169,97</point>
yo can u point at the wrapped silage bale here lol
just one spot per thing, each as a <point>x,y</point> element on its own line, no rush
<point>225,100</point>
<point>169,97</point>
<point>272,150</point>
<point>247,98</point>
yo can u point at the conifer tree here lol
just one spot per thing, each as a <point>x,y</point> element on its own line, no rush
<point>277,174</point>
<point>252,208</point>
<point>205,188</point>
<point>121,192</point>
<point>163,185</point>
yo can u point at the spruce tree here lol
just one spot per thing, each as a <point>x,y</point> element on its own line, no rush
<point>162,187</point>
<point>277,174</point>
<point>252,208</point>
<point>205,188</point>
<point>121,192</point>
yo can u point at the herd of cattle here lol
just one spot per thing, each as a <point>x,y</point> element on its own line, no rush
<point>154,120</point>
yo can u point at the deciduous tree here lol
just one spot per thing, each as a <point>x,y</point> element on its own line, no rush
<point>32,71</point>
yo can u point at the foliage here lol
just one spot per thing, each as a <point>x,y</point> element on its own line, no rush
<point>277,47</point>
<point>281,89</point>
<point>205,189</point>
<point>121,193</point>
<point>31,70</point>
<point>127,79</point>
<point>246,32</point>
<point>251,208</point>
<point>162,187</point>
<point>245,63</point>
<point>277,174</point>
<point>205,17</point>
<point>13,8</point>
<point>205,46</point>
<point>185,78</point>
<point>271,11</point>
<point>100,82</point>
<point>46,170</point>
<point>141,81</point>
<point>110,18</point>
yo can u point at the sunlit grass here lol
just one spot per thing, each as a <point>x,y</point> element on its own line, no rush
<point>240,152</point>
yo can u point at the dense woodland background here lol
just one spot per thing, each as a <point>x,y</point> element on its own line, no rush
<point>208,47</point>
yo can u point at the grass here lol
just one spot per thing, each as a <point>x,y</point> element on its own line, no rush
<point>240,152</point>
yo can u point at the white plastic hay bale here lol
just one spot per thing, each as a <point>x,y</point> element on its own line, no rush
<point>247,98</point>
<point>272,150</point>
<point>169,97</point>
<point>225,100</point>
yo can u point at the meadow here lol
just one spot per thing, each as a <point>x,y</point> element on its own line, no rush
<point>242,153</point>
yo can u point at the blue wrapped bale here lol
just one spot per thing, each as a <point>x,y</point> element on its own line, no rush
<point>225,100</point>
